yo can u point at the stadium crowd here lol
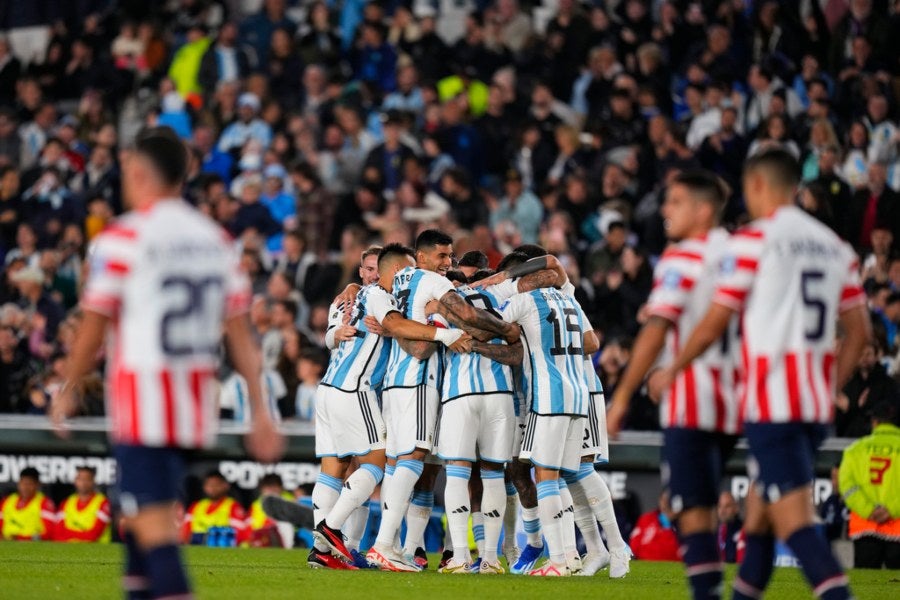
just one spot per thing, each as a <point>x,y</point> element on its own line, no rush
<point>318,128</point>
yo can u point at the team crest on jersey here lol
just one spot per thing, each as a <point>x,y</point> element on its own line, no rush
<point>503,306</point>
<point>728,265</point>
<point>671,280</point>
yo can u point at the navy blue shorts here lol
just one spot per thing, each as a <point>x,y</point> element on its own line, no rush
<point>148,476</point>
<point>692,465</point>
<point>782,456</point>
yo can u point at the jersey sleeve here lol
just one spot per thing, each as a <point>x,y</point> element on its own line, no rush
<point>335,320</point>
<point>738,268</point>
<point>852,294</point>
<point>379,303</point>
<point>111,259</point>
<point>437,285</point>
<point>238,292</point>
<point>504,290</point>
<point>672,285</point>
<point>514,308</point>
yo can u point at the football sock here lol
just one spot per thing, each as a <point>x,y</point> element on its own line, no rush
<point>819,565</point>
<point>355,526</point>
<point>417,517</point>
<point>550,509</point>
<point>324,496</point>
<point>493,507</point>
<point>600,501</point>
<point>700,552</point>
<point>532,526</point>
<point>756,569</point>
<point>510,515</point>
<point>356,490</point>
<point>456,503</point>
<point>568,521</point>
<point>587,523</point>
<point>135,581</point>
<point>395,500</point>
<point>167,576</point>
<point>478,531</point>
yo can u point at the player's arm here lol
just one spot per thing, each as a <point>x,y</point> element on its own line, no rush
<point>647,347</point>
<point>347,298</point>
<point>337,331</point>
<point>540,272</point>
<point>506,354</point>
<point>417,348</point>
<point>82,360</point>
<point>264,440</point>
<point>399,327</point>
<point>707,332</point>
<point>857,332</point>
<point>485,326</point>
<point>591,342</point>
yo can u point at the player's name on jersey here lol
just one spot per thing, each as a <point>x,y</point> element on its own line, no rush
<point>183,250</point>
<point>807,247</point>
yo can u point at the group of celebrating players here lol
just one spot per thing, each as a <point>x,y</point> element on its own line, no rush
<point>493,372</point>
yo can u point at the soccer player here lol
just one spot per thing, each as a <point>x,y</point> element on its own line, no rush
<point>410,398</point>
<point>792,280</point>
<point>476,426</point>
<point>339,312</point>
<point>348,420</point>
<point>699,412</point>
<point>85,515</point>
<point>163,279</point>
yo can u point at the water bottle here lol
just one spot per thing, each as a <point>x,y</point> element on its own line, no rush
<point>229,539</point>
<point>212,537</point>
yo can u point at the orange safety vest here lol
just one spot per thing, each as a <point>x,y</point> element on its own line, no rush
<point>75,519</point>
<point>25,522</point>
<point>202,518</point>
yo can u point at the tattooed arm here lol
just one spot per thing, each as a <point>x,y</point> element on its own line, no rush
<point>479,323</point>
<point>506,354</point>
<point>419,349</point>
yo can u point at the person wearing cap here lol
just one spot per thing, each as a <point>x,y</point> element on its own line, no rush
<point>389,156</point>
<point>282,206</point>
<point>869,479</point>
<point>248,126</point>
<point>519,205</point>
<point>35,298</point>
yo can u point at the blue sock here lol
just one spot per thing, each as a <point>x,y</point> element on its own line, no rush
<point>135,582</point>
<point>821,569</point>
<point>756,570</point>
<point>700,553</point>
<point>167,576</point>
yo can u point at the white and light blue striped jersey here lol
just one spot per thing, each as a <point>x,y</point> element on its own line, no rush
<point>359,364</point>
<point>592,380</point>
<point>554,351</point>
<point>471,373</point>
<point>414,288</point>
<point>235,397</point>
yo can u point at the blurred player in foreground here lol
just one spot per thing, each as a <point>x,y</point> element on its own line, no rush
<point>163,280</point>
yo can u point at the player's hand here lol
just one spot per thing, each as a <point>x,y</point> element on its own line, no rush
<point>344,333</point>
<point>62,406</point>
<point>842,402</point>
<point>463,344</point>
<point>374,326</point>
<point>264,442</point>
<point>615,417</point>
<point>880,515</point>
<point>347,298</point>
<point>659,382</point>
<point>492,280</point>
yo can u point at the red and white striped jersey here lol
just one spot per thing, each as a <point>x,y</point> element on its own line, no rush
<point>703,395</point>
<point>792,277</point>
<point>167,277</point>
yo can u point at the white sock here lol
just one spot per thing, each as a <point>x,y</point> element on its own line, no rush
<point>510,516</point>
<point>568,521</point>
<point>532,524</point>
<point>493,507</point>
<point>448,537</point>
<point>478,531</point>
<point>355,526</point>
<point>357,489</point>
<point>600,501</point>
<point>586,522</point>
<point>550,508</point>
<point>458,507</point>
<point>417,516</point>
<point>324,496</point>
<point>395,500</point>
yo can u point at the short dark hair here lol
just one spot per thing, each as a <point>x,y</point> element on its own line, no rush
<point>780,166</point>
<point>457,276</point>
<point>530,251</point>
<point>288,305</point>
<point>30,473</point>
<point>893,297</point>
<point>271,479</point>
<point>166,151</point>
<point>394,250</point>
<point>91,470</point>
<point>885,411</point>
<point>214,474</point>
<point>513,259</point>
<point>474,258</point>
<point>480,274</point>
<point>431,238</point>
<point>705,186</point>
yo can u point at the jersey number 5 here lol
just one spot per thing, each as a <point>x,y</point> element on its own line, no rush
<point>569,322</point>
<point>191,323</point>
<point>815,305</point>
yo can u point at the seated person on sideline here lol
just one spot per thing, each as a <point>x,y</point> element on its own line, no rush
<point>28,514</point>
<point>85,515</point>
<point>265,531</point>
<point>654,536</point>
<point>216,510</point>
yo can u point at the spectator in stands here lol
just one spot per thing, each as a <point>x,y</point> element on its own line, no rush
<point>310,369</point>
<point>520,206</point>
<point>27,514</point>
<point>869,386</point>
<point>85,515</point>
<point>833,511</point>
<point>225,60</point>
<point>216,514</point>
<point>731,532</point>
<point>654,536</point>
<point>248,126</point>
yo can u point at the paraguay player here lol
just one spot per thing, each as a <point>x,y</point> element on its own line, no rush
<point>699,412</point>
<point>164,278</point>
<point>792,280</point>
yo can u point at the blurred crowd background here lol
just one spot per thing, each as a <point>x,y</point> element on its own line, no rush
<point>319,128</point>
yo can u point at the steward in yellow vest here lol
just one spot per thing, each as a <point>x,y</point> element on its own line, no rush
<point>217,509</point>
<point>85,515</point>
<point>28,514</point>
<point>264,530</point>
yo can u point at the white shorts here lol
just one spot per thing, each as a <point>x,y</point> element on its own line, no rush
<point>347,423</point>
<point>596,440</point>
<point>410,415</point>
<point>518,433</point>
<point>553,441</point>
<point>476,426</point>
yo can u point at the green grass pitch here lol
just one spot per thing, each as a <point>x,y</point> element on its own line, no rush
<point>83,571</point>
